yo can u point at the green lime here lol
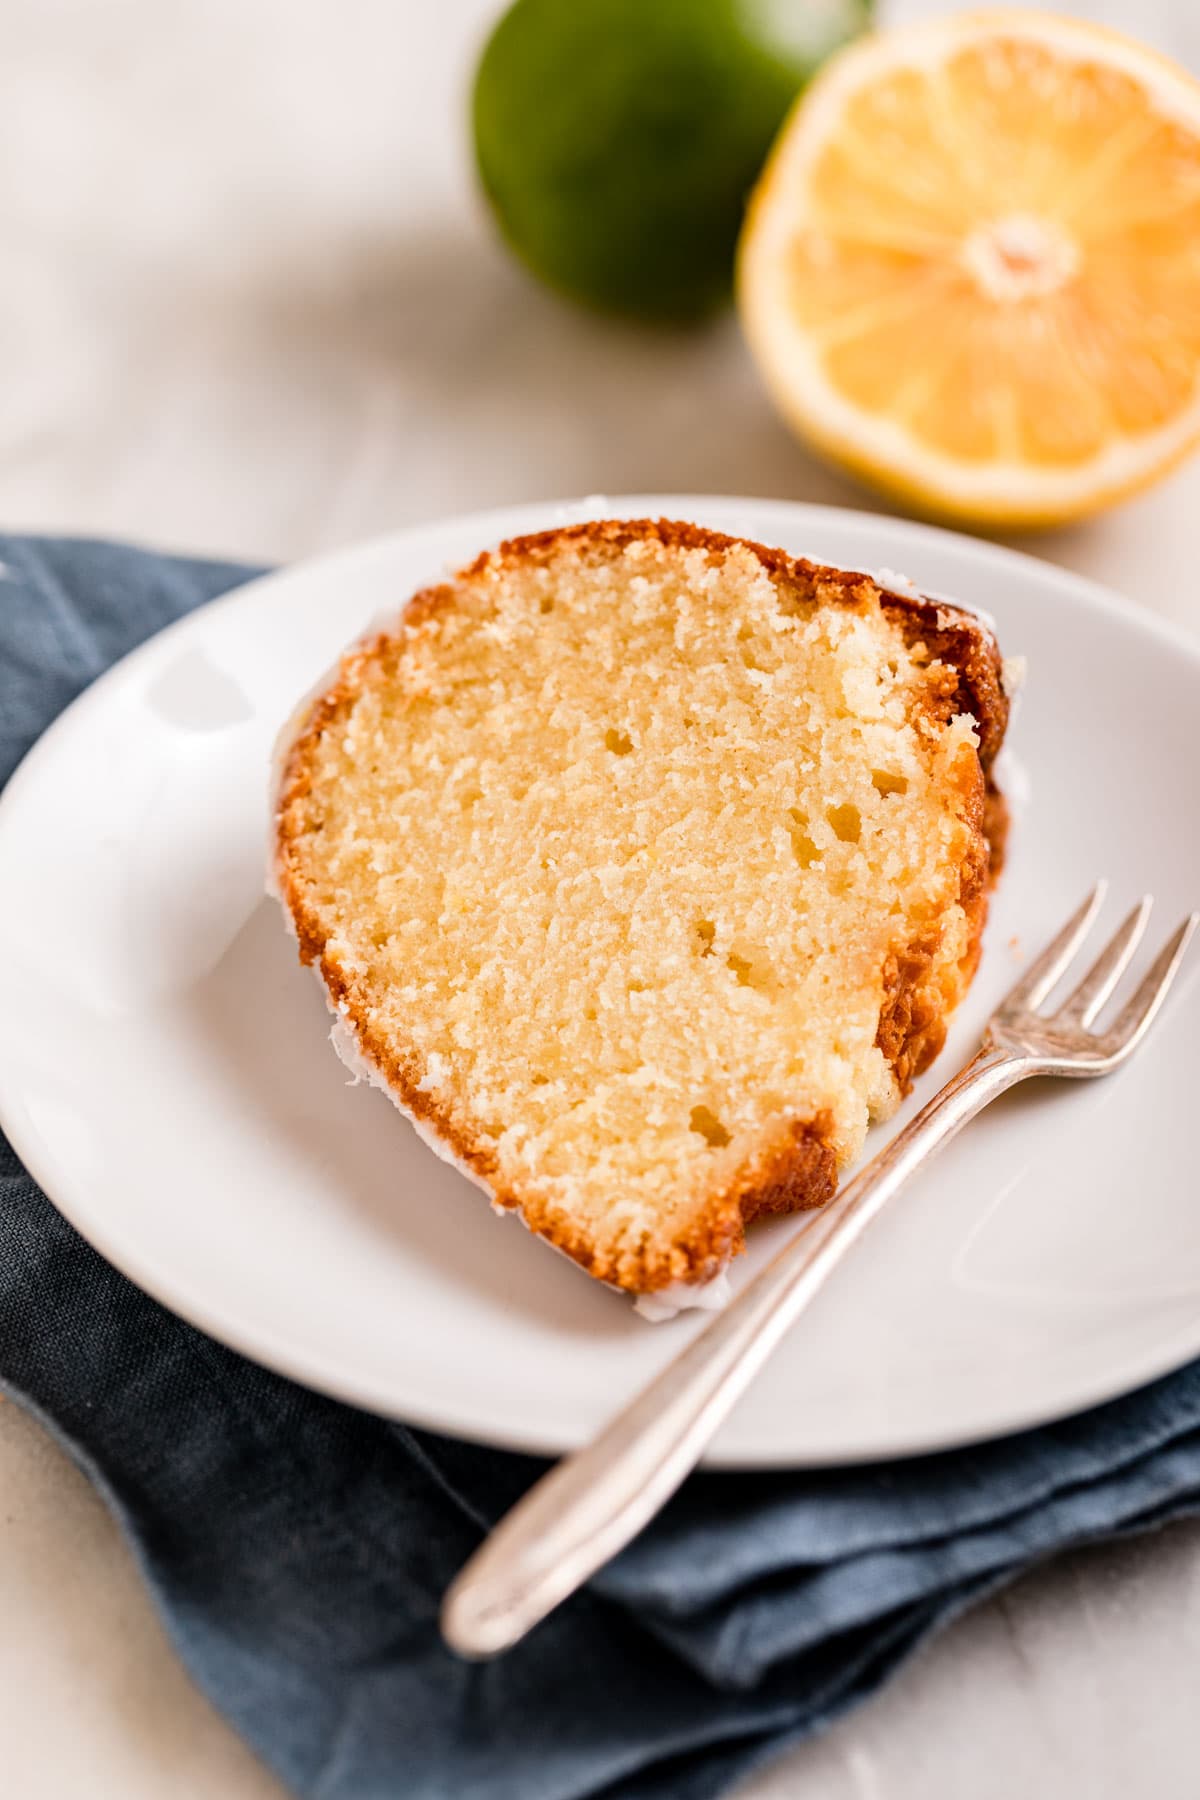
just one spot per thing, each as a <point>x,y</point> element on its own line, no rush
<point>617,140</point>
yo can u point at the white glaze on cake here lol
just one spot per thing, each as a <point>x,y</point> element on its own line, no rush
<point>361,1068</point>
<point>683,1296</point>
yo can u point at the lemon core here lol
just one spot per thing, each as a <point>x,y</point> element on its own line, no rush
<point>1020,257</point>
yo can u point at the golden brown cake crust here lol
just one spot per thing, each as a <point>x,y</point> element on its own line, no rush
<point>799,1169</point>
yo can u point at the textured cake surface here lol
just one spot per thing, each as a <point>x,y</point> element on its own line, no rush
<point>646,865</point>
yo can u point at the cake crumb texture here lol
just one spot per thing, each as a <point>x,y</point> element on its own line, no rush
<point>647,866</point>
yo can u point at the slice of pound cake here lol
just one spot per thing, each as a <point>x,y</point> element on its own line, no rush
<point>644,867</point>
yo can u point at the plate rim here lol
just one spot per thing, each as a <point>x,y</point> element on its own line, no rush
<point>316,1370</point>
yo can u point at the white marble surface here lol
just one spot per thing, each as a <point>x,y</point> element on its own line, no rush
<point>248,305</point>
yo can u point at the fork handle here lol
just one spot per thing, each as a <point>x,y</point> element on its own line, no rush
<point>591,1504</point>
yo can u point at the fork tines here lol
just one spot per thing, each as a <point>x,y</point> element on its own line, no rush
<point>1082,1006</point>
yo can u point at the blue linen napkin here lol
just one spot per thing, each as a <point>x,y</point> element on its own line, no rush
<point>297,1549</point>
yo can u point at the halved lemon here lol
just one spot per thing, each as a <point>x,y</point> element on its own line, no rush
<point>971,269</point>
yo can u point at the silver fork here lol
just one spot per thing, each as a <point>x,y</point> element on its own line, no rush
<point>592,1503</point>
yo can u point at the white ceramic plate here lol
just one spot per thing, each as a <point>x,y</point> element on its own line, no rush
<point>165,1071</point>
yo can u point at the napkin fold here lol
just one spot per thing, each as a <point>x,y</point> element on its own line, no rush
<point>297,1549</point>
